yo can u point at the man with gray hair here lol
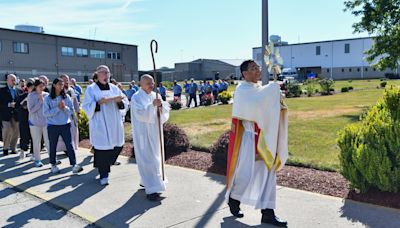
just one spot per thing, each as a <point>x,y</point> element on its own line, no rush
<point>9,96</point>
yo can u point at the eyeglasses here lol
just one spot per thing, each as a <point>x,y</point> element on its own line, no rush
<point>254,68</point>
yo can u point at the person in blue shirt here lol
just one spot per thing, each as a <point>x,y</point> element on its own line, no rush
<point>177,91</point>
<point>186,87</point>
<point>202,91</point>
<point>133,84</point>
<point>59,112</point>
<point>132,90</point>
<point>192,93</point>
<point>163,91</point>
<point>77,88</point>
<point>215,89</point>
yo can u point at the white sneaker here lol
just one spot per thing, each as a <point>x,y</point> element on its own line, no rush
<point>77,169</point>
<point>55,169</point>
<point>21,155</point>
<point>104,181</point>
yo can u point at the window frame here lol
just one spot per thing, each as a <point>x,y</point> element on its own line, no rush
<point>68,49</point>
<point>20,52</point>
<point>347,48</point>
<point>318,50</point>
<point>94,56</point>
<point>82,55</point>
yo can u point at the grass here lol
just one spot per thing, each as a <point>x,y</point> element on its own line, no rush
<point>313,123</point>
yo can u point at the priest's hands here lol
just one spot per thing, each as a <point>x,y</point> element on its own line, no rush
<point>104,101</point>
<point>157,102</point>
<point>118,99</point>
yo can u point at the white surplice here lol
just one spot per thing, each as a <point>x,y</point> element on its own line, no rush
<point>146,139</point>
<point>106,129</point>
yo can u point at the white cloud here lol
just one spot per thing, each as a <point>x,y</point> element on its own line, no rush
<point>112,20</point>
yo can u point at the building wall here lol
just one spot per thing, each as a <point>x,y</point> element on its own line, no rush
<point>332,60</point>
<point>202,69</point>
<point>45,57</point>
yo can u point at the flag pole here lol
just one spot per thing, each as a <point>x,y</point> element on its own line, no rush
<point>158,110</point>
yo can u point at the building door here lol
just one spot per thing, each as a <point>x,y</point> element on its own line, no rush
<point>118,72</point>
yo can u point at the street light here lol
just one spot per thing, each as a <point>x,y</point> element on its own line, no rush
<point>264,38</point>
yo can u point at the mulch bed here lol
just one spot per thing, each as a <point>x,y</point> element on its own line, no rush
<point>308,179</point>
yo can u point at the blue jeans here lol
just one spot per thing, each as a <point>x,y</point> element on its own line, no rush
<point>55,131</point>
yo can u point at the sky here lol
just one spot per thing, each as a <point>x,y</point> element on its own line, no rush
<point>185,29</point>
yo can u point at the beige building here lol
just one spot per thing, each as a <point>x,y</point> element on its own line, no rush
<point>29,53</point>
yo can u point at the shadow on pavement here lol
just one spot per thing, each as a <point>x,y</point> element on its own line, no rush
<point>128,213</point>
<point>369,215</point>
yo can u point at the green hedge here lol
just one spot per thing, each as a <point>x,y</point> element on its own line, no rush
<point>83,124</point>
<point>370,150</point>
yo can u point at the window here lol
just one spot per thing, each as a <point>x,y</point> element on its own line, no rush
<point>113,55</point>
<point>0,46</point>
<point>20,47</point>
<point>349,69</point>
<point>81,52</point>
<point>318,50</point>
<point>374,69</point>
<point>97,54</point>
<point>327,70</point>
<point>342,70</point>
<point>346,48</point>
<point>358,69</point>
<point>67,51</point>
<point>366,68</point>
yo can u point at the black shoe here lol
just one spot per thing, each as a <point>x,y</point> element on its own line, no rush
<point>58,162</point>
<point>153,197</point>
<point>13,152</point>
<point>5,152</point>
<point>234,208</point>
<point>268,216</point>
<point>117,163</point>
<point>141,185</point>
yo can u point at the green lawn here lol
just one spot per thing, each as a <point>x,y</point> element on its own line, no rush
<point>313,123</point>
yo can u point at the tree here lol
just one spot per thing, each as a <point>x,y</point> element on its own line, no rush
<point>380,18</point>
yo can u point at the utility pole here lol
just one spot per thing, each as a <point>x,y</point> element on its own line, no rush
<point>265,38</point>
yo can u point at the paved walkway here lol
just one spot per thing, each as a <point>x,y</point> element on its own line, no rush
<point>193,199</point>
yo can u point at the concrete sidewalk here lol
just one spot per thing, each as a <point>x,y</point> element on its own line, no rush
<point>192,199</point>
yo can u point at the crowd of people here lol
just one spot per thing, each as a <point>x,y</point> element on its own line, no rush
<point>204,90</point>
<point>40,117</point>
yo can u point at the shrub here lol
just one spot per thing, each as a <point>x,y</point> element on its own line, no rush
<point>310,87</point>
<point>351,88</point>
<point>326,86</point>
<point>219,150</point>
<point>225,97</point>
<point>168,84</point>
<point>345,89</point>
<point>83,125</point>
<point>175,140</point>
<point>207,100</point>
<point>370,150</point>
<point>175,104</point>
<point>383,84</point>
<point>293,90</point>
<point>350,81</point>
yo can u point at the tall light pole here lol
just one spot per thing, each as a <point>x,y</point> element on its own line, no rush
<point>264,24</point>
